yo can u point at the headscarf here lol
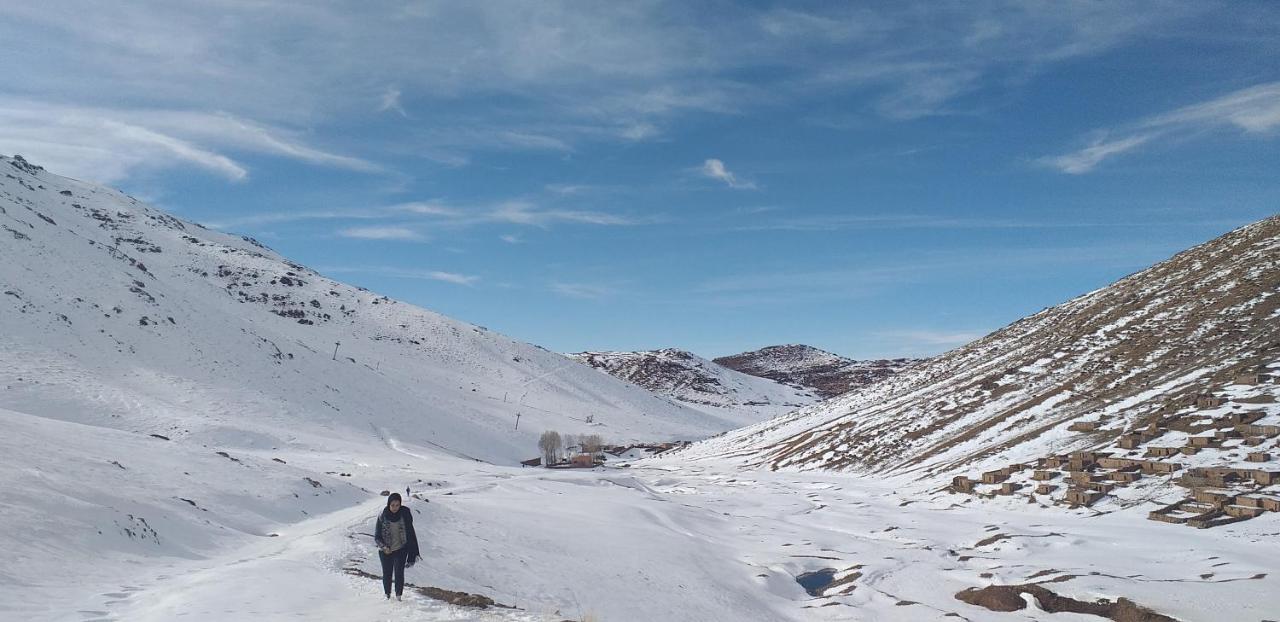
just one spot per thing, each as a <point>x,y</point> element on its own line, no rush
<point>388,514</point>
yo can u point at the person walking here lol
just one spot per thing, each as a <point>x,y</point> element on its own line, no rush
<point>397,543</point>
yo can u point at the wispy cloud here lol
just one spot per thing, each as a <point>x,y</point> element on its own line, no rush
<point>1254,111</point>
<point>510,238</point>
<point>582,291</point>
<point>910,339</point>
<point>109,144</point>
<point>715,169</point>
<point>404,273</point>
<point>380,233</point>
<point>390,101</point>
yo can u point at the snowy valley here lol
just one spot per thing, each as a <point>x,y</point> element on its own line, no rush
<point>196,427</point>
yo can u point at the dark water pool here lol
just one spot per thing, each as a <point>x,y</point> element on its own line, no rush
<point>816,581</point>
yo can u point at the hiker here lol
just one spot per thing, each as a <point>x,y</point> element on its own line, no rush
<point>397,543</point>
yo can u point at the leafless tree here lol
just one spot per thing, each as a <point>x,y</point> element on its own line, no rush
<point>591,443</point>
<point>550,444</point>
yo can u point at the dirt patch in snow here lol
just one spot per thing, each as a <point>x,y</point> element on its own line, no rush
<point>1009,598</point>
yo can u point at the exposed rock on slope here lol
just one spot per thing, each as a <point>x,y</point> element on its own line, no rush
<point>700,383</point>
<point>807,367</point>
<point>1116,371</point>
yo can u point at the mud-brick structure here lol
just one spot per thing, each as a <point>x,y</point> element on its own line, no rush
<point>1202,441</point>
<point>1240,511</point>
<point>1214,497</point>
<point>1045,489</point>
<point>1258,456</point>
<point>961,483</point>
<point>1083,426</point>
<point>1209,401</point>
<point>1043,475</point>
<point>1244,417</point>
<point>1082,497</point>
<point>1253,429</point>
<point>1249,379</point>
<point>994,477</point>
<point>1009,488</point>
<point>1084,477</point>
<point>1161,452</point>
<point>1126,477</point>
<point>1131,441</point>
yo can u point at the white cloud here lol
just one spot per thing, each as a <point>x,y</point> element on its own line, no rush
<point>934,338</point>
<point>380,233</point>
<point>510,238</point>
<point>108,144</point>
<point>715,169</point>
<point>391,102</point>
<point>581,290</point>
<point>405,273</point>
<point>1254,110</point>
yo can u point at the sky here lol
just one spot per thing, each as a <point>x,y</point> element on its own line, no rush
<point>878,180</point>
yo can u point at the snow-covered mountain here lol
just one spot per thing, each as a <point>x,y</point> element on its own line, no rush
<point>119,315</point>
<point>1189,347</point>
<point>808,368</point>
<point>700,383</point>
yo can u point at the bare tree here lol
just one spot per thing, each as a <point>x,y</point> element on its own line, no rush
<point>550,445</point>
<point>591,443</point>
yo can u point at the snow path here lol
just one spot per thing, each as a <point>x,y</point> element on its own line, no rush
<point>703,544</point>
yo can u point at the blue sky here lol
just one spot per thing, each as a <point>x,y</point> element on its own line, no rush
<point>893,179</point>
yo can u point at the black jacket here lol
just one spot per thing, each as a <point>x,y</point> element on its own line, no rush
<point>411,537</point>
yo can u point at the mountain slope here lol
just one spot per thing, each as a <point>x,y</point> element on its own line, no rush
<point>700,383</point>
<point>1128,358</point>
<point>116,314</point>
<point>807,367</point>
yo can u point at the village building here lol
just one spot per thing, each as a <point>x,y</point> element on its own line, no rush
<point>1081,497</point>
<point>1258,456</point>
<point>994,477</point>
<point>1249,379</point>
<point>1042,476</point>
<point>1208,401</point>
<point>1131,441</point>
<point>1126,477</point>
<point>1253,429</point>
<point>1161,452</point>
<point>1009,488</point>
<point>961,483</point>
<point>1044,489</point>
<point>1083,426</point>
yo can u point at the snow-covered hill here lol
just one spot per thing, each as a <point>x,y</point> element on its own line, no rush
<point>1117,370</point>
<point>700,383</point>
<point>808,368</point>
<point>116,314</point>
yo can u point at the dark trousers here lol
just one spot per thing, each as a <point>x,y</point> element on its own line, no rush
<point>393,563</point>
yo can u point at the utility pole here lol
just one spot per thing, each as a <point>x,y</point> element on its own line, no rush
<point>517,421</point>
<point>335,349</point>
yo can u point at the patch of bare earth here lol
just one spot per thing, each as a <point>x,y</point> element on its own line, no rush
<point>1009,598</point>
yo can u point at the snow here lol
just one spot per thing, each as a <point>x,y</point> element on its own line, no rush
<point>257,502</point>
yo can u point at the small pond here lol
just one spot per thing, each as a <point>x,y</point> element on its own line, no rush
<point>816,581</point>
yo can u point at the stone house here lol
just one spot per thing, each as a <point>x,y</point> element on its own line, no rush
<point>1130,441</point>
<point>961,483</point>
<point>1271,504</point>
<point>1258,456</point>
<point>1213,497</point>
<point>1044,489</point>
<point>1249,379</point>
<point>1244,417</point>
<point>1189,450</point>
<point>1253,429</point>
<point>1126,477</point>
<point>1083,426</point>
<point>1240,511</point>
<point>1161,452</point>
<point>1151,467</point>
<point>1119,463</point>
<point>1101,487</point>
<point>1209,401</point>
<point>1009,488</point>
<point>1081,497</point>
<point>994,477</point>
<point>1084,477</point>
<point>1202,441</point>
<point>1042,476</point>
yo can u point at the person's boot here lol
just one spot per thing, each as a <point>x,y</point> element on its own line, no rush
<point>398,597</point>
<point>388,595</point>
